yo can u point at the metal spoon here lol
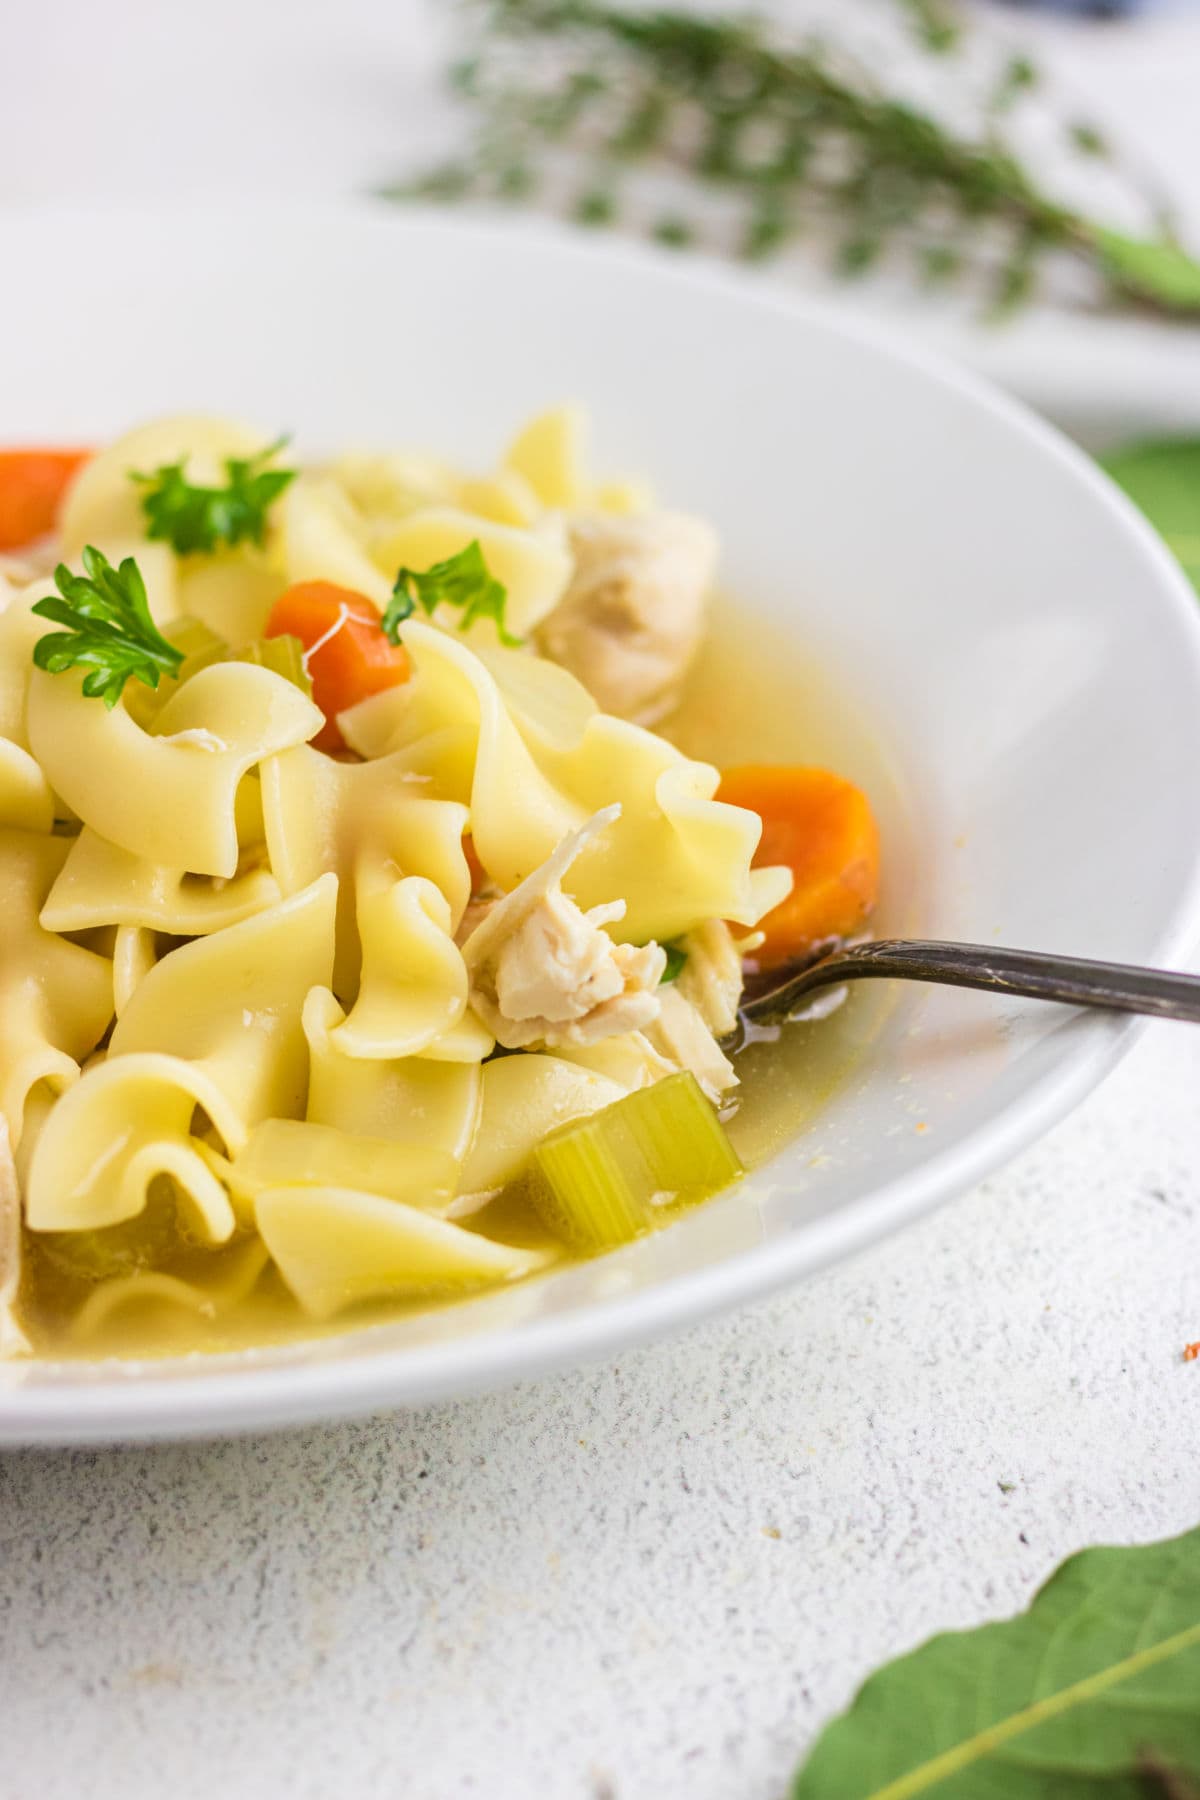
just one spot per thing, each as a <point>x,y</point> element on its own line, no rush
<point>1040,975</point>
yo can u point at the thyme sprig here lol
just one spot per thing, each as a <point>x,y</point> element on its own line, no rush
<point>595,95</point>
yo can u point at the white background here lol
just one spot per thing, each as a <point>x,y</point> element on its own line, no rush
<point>658,1577</point>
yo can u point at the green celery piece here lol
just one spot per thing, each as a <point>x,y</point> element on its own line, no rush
<point>283,656</point>
<point>1162,476</point>
<point>602,1180</point>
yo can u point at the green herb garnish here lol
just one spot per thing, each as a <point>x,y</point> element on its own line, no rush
<point>109,631</point>
<point>676,963</point>
<point>193,518</point>
<point>463,581</point>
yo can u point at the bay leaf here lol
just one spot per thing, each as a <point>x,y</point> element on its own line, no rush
<point>1094,1691</point>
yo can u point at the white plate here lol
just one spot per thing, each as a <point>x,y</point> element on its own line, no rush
<point>1025,644</point>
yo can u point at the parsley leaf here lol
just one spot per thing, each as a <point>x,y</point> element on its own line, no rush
<point>109,629</point>
<point>677,958</point>
<point>195,518</point>
<point>463,580</point>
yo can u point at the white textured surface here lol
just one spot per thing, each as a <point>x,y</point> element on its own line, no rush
<point>576,1589</point>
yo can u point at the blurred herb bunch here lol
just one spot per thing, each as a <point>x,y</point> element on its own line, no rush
<point>600,111</point>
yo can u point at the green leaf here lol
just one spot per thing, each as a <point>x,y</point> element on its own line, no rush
<point>109,631</point>
<point>1154,270</point>
<point>464,581</point>
<point>1162,476</point>
<point>193,518</point>
<point>1094,1691</point>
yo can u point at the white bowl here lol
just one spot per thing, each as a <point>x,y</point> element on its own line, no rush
<point>1026,648</point>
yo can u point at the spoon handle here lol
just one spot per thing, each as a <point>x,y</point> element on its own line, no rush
<point>1040,975</point>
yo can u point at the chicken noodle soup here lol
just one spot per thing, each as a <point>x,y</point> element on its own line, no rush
<point>363,943</point>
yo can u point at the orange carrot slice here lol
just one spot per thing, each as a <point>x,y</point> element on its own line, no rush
<point>823,829</point>
<point>32,483</point>
<point>349,657</point>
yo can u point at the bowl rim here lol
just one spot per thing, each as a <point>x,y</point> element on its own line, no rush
<point>238,1396</point>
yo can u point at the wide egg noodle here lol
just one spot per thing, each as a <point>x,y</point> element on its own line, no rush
<point>26,802</point>
<point>506,497</point>
<point>135,953</point>
<point>56,999</point>
<point>230,591</point>
<point>299,1153</point>
<point>321,815</point>
<point>413,990</point>
<point>320,539</point>
<point>550,453</point>
<point>335,1247</point>
<point>20,629</point>
<point>216,1025</point>
<point>414,1100</point>
<point>171,803</point>
<point>524,1097</point>
<point>232,1003</point>
<point>101,884</point>
<point>358,523</point>
<point>384,486</point>
<point>517,815</point>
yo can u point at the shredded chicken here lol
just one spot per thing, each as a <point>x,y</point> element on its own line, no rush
<point>632,617</point>
<point>630,1060</point>
<point>545,972</point>
<point>680,1034</point>
<point>711,978</point>
<point>13,1341</point>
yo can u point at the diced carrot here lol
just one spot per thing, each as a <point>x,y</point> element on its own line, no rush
<point>349,657</point>
<point>32,483</point>
<point>823,829</point>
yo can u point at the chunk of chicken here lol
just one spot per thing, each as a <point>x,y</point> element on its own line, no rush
<point>681,1035</point>
<point>632,617</point>
<point>711,978</point>
<point>543,971</point>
